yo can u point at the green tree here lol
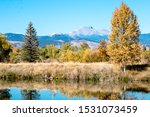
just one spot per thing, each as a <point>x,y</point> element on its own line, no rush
<point>123,46</point>
<point>5,48</point>
<point>30,50</point>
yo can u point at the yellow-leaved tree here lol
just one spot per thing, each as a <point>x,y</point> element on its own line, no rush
<point>5,48</point>
<point>102,51</point>
<point>123,45</point>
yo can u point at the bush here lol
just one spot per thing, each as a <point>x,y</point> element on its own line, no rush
<point>146,56</point>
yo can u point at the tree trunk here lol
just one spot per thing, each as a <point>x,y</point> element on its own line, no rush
<point>123,67</point>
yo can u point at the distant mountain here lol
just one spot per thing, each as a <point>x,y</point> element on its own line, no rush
<point>16,43</point>
<point>84,34</point>
<point>88,31</point>
<point>14,37</point>
<point>78,42</point>
<point>56,39</point>
<point>145,38</point>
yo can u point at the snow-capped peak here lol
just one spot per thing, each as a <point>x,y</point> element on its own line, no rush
<point>88,31</point>
<point>52,34</point>
<point>104,32</point>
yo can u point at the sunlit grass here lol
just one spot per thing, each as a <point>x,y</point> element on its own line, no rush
<point>60,70</point>
<point>70,70</point>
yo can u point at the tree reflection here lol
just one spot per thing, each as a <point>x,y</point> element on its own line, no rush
<point>78,89</point>
<point>5,94</point>
<point>30,95</point>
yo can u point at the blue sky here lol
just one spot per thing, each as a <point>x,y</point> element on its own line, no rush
<point>63,16</point>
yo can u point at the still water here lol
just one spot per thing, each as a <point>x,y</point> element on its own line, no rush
<point>44,94</point>
<point>73,91</point>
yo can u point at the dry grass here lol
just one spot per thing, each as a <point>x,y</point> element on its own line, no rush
<point>65,70</point>
<point>144,74</point>
<point>139,75</point>
<point>71,70</point>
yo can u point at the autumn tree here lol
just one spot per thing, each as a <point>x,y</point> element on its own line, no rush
<point>69,55</point>
<point>50,51</point>
<point>123,46</point>
<point>66,53</point>
<point>94,56</point>
<point>15,55</point>
<point>5,48</point>
<point>146,56</point>
<point>102,51</point>
<point>84,46</point>
<point>66,46</point>
<point>30,50</point>
<point>86,56</point>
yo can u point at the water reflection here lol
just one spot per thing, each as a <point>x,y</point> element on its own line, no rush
<point>30,94</point>
<point>5,94</point>
<point>70,90</point>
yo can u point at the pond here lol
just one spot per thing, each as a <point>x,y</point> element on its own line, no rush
<point>73,91</point>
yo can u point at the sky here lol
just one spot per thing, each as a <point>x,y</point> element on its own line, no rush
<point>63,16</point>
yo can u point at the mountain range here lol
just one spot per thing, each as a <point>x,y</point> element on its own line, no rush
<point>87,35</point>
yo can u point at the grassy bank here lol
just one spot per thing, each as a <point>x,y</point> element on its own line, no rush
<point>57,70</point>
<point>64,71</point>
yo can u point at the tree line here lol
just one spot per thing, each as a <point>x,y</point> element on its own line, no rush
<point>123,46</point>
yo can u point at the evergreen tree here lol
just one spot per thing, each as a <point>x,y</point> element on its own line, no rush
<point>30,50</point>
<point>123,42</point>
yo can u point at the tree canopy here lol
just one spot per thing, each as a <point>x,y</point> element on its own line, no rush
<point>5,48</point>
<point>123,45</point>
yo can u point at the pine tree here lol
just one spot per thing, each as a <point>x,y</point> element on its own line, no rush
<point>30,50</point>
<point>123,44</point>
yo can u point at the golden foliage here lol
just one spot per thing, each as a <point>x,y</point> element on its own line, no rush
<point>15,55</point>
<point>146,56</point>
<point>102,51</point>
<point>123,45</point>
<point>5,48</point>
